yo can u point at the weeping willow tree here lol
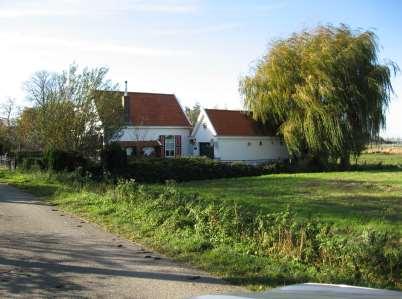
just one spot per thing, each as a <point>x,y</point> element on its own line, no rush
<point>325,90</point>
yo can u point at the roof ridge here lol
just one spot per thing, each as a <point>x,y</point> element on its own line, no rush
<point>224,109</point>
<point>231,110</point>
<point>153,93</point>
<point>139,92</point>
<point>183,112</point>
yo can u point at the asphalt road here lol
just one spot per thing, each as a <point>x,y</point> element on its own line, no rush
<point>45,252</point>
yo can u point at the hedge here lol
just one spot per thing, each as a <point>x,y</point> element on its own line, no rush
<point>114,158</point>
<point>153,170</point>
<point>29,163</point>
<point>59,160</point>
<point>21,156</point>
<point>115,165</point>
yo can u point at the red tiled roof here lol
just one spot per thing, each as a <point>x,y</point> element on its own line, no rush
<point>236,123</point>
<point>154,109</point>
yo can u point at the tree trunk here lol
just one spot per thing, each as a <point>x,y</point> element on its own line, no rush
<point>345,161</point>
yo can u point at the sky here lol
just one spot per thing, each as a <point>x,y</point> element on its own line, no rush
<point>196,49</point>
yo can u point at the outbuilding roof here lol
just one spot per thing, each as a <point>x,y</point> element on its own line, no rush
<point>236,123</point>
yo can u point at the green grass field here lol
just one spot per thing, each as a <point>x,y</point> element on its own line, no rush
<point>202,228</point>
<point>347,198</point>
<point>357,198</point>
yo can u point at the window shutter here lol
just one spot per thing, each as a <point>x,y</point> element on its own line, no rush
<point>178,145</point>
<point>162,141</point>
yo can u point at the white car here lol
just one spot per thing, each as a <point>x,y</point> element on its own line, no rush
<point>315,291</point>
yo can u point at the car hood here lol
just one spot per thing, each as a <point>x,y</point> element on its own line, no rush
<point>314,291</point>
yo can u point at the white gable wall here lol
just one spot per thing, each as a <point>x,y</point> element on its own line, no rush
<point>251,149</point>
<point>148,133</point>
<point>203,132</point>
<point>237,148</point>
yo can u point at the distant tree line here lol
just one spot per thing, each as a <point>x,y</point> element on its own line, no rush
<point>193,112</point>
<point>8,135</point>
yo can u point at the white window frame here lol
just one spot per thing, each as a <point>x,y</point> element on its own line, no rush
<point>170,146</point>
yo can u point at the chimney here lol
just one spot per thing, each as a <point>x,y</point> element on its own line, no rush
<point>126,105</point>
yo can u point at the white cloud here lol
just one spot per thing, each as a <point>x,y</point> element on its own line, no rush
<point>195,31</point>
<point>18,13</point>
<point>165,7</point>
<point>101,7</point>
<point>65,45</point>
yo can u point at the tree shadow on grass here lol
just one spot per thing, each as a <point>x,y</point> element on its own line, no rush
<point>38,190</point>
<point>14,195</point>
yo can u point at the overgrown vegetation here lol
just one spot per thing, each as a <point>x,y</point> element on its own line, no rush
<point>261,231</point>
<point>156,170</point>
<point>115,164</point>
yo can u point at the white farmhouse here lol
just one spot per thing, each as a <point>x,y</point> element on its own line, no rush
<point>230,135</point>
<point>156,126</point>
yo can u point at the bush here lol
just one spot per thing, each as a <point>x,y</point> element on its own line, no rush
<point>114,158</point>
<point>30,163</point>
<point>188,169</point>
<point>58,160</point>
<point>94,170</point>
<point>20,156</point>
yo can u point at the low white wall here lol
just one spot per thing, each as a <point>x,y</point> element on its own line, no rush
<point>253,149</point>
<point>153,133</point>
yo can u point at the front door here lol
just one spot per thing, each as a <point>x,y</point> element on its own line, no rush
<point>206,149</point>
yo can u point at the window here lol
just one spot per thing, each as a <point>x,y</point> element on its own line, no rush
<point>131,151</point>
<point>148,151</point>
<point>170,144</point>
